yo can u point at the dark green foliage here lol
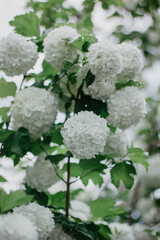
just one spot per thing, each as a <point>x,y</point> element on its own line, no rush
<point>40,197</point>
<point>90,104</point>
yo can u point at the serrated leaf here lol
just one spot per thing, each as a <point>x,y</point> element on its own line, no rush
<point>78,43</point>
<point>137,155</point>
<point>94,176</point>
<point>122,172</point>
<point>26,25</point>
<point>7,88</point>
<point>4,113</point>
<point>14,199</point>
<point>102,208</point>
<point>89,79</point>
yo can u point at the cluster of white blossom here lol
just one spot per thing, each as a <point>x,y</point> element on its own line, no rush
<point>85,134</point>
<point>59,234</point>
<point>116,144</point>
<point>34,109</point>
<point>41,176</point>
<point>121,231</point>
<point>126,107</point>
<point>41,218</point>
<point>16,227</point>
<point>149,212</point>
<point>104,59</point>
<point>102,87</point>
<point>17,55</point>
<point>56,48</point>
<point>140,234</point>
<point>132,61</point>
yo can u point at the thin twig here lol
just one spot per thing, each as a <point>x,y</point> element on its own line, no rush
<point>68,187</point>
<point>59,176</point>
<point>24,77</point>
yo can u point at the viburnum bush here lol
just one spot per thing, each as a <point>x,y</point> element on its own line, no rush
<point>94,83</point>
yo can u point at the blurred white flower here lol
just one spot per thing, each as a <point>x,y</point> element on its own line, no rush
<point>104,59</point>
<point>16,227</point>
<point>34,109</point>
<point>121,231</point>
<point>41,176</point>
<point>116,144</point>
<point>132,61</point>
<point>57,50</point>
<point>126,107</point>
<point>17,55</point>
<point>85,134</point>
<point>41,217</point>
<point>139,232</point>
<point>59,234</point>
<point>102,87</point>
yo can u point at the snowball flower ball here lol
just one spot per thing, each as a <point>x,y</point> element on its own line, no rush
<point>41,176</point>
<point>121,231</point>
<point>41,218</point>
<point>104,59</point>
<point>132,61</point>
<point>16,227</point>
<point>116,144</point>
<point>17,55</point>
<point>85,134</point>
<point>34,109</point>
<point>126,107</point>
<point>102,87</point>
<point>59,234</point>
<point>139,232</point>
<point>57,50</point>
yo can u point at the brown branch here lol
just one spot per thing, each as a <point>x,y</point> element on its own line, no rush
<point>68,187</point>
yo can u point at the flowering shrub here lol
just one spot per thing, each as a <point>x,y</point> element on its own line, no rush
<point>94,84</point>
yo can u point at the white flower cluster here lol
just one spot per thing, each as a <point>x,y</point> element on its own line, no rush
<point>108,61</point>
<point>102,87</point>
<point>41,218</point>
<point>59,234</point>
<point>132,61</point>
<point>126,107</point>
<point>17,55</point>
<point>41,176</point>
<point>85,134</point>
<point>121,231</point>
<point>57,50</point>
<point>16,227</point>
<point>140,234</point>
<point>116,144</point>
<point>104,59</point>
<point>34,109</point>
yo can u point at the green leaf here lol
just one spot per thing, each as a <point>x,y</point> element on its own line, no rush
<point>102,208</point>
<point>57,200</point>
<point>56,158</point>
<point>94,176</point>
<point>26,25</point>
<point>14,199</point>
<point>2,179</point>
<point>78,43</point>
<point>18,142</point>
<point>121,84</point>
<point>4,113</point>
<point>89,79</point>
<point>4,134</point>
<point>122,171</point>
<point>137,155</point>
<point>7,88</point>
